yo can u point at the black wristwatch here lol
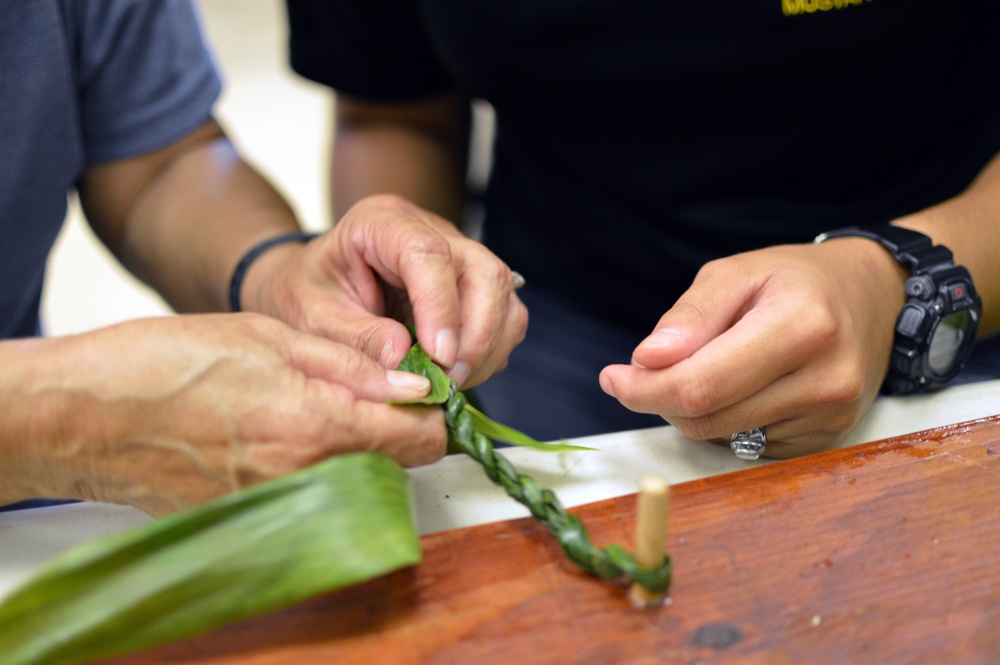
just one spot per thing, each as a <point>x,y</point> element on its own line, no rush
<point>937,327</point>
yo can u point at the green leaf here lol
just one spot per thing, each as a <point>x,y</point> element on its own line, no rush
<point>337,523</point>
<point>416,361</point>
<point>497,432</point>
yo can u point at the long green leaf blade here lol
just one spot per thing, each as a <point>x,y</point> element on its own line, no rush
<point>340,522</point>
<point>499,432</point>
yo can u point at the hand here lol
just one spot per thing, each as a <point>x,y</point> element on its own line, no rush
<point>794,338</point>
<point>387,263</point>
<point>164,413</point>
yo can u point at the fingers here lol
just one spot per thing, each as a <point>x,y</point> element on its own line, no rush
<point>393,237</point>
<point>492,319</point>
<point>713,303</point>
<point>491,357</point>
<point>459,293</point>
<point>411,435</point>
<point>211,403</point>
<point>751,355</point>
<point>343,365</point>
<point>762,339</point>
<point>328,419</point>
<point>356,390</point>
<point>797,415</point>
<point>783,446</point>
<point>804,411</point>
<point>387,263</point>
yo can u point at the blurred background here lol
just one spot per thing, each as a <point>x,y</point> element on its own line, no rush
<point>281,123</point>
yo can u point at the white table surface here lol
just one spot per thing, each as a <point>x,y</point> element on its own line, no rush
<point>455,492</point>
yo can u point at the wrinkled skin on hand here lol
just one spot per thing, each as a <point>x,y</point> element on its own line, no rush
<point>388,263</point>
<point>165,413</point>
<point>794,338</point>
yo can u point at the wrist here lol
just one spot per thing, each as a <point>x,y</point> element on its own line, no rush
<point>246,278</point>
<point>936,327</point>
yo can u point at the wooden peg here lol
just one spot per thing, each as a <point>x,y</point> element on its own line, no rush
<point>650,535</point>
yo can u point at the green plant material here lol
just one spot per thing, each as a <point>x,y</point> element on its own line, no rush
<point>471,432</point>
<point>342,521</point>
<point>417,361</point>
<point>497,432</point>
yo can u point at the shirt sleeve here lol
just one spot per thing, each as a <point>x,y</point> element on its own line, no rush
<point>145,76</point>
<point>375,49</point>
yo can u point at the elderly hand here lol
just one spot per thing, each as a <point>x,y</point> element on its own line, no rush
<point>164,413</point>
<point>388,262</point>
<point>793,338</point>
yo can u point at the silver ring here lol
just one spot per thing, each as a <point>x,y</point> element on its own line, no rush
<point>517,280</point>
<point>749,444</point>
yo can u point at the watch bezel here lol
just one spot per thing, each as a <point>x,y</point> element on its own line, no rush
<point>952,292</point>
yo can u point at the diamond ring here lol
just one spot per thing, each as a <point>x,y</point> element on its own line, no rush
<point>749,444</point>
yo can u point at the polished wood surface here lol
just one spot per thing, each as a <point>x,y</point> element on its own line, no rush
<point>883,553</point>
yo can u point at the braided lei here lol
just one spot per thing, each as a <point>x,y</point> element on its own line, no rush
<point>472,432</point>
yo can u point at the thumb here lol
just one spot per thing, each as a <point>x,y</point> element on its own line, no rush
<point>378,337</point>
<point>706,310</point>
<point>340,364</point>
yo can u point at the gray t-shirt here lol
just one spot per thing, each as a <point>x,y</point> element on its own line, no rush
<point>84,82</point>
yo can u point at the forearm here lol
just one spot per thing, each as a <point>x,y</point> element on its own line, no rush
<point>187,235</point>
<point>969,225</point>
<point>48,424</point>
<point>418,151</point>
<point>180,219</point>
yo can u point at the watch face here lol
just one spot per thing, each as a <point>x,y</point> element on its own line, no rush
<point>947,340</point>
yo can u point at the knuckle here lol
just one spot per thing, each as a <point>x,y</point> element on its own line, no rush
<point>696,395</point>
<point>389,201</point>
<point>710,268</point>
<point>421,242</point>
<point>501,273</point>
<point>846,386</point>
<point>366,339</point>
<point>818,325</point>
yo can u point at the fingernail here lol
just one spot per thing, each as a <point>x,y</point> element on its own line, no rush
<point>606,385</point>
<point>460,372</point>
<point>408,381</point>
<point>385,356</point>
<point>446,347</point>
<point>662,338</point>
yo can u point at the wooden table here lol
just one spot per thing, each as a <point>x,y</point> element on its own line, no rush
<point>887,552</point>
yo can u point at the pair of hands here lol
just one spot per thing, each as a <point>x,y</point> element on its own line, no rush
<point>785,337</point>
<point>792,338</point>
<point>312,377</point>
<point>795,338</point>
<point>165,413</point>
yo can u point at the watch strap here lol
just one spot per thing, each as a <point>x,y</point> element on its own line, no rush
<point>936,289</point>
<point>906,245</point>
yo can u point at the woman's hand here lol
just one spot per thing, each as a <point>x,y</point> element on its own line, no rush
<point>794,338</point>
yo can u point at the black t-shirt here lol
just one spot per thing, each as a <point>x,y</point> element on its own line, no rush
<point>638,139</point>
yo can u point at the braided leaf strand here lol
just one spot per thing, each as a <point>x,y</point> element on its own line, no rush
<point>611,563</point>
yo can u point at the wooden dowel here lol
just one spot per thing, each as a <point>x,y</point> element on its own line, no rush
<point>650,535</point>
